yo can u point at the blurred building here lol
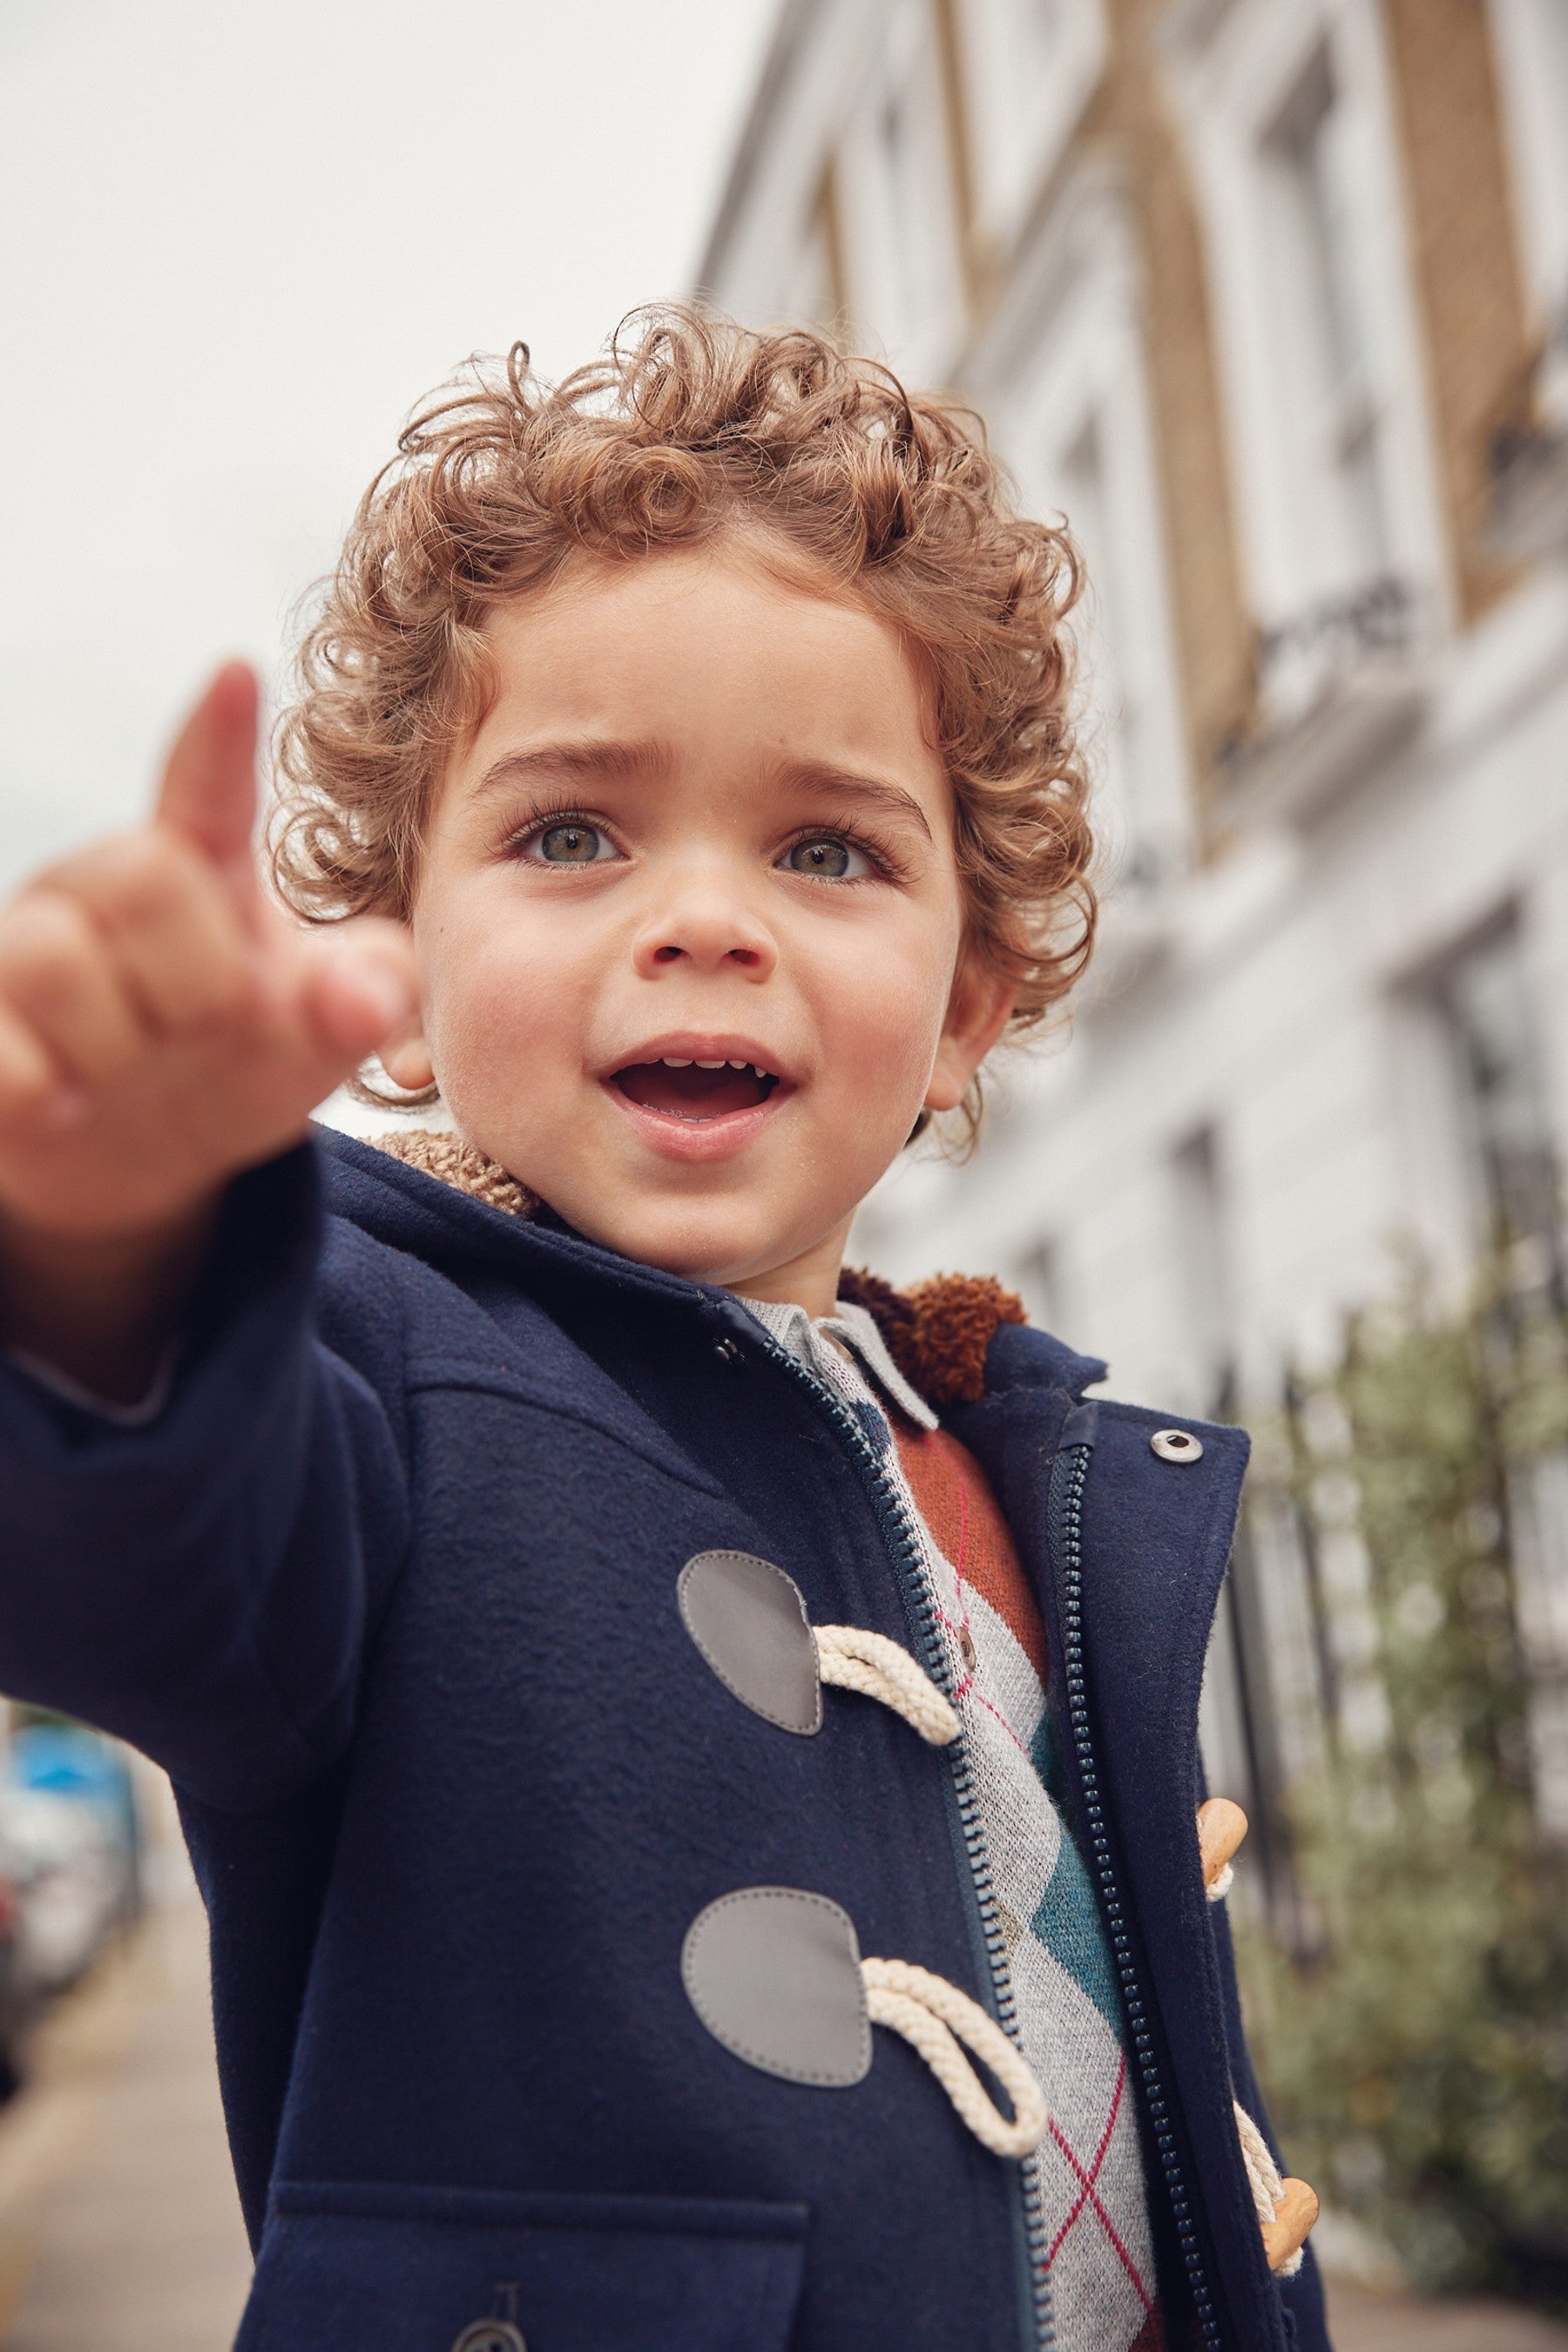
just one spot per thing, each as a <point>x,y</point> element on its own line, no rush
<point>1270,296</point>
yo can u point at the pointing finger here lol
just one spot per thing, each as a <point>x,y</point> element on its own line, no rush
<point>208,792</point>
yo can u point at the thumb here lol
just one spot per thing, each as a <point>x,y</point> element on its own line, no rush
<point>208,792</point>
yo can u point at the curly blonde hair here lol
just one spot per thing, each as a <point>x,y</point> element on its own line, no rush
<point>692,427</point>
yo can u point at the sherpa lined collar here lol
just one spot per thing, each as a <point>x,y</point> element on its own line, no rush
<point>937,1332</point>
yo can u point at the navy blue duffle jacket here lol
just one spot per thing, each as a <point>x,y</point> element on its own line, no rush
<point>389,1588</point>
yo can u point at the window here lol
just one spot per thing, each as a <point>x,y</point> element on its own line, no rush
<point>816,292</point>
<point>1242,1734</point>
<point>1290,128</point>
<point>1030,66</point>
<point>1319,317</point>
<point>905,287</point>
<point>1081,471</point>
<point>904,165</point>
<point>1531,42</point>
<point>1204,1256</point>
<point>1482,1171</point>
<point>1529,442</point>
<point>1069,411</point>
<point>1482,1000</point>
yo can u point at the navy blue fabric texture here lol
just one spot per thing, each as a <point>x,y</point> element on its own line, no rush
<point>390,1590</point>
<point>346,2265</point>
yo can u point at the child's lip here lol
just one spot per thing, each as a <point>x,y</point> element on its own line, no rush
<point>696,1141</point>
<point>697,1046</point>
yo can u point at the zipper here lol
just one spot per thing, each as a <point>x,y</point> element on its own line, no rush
<point>903,1545</point>
<point>1070,1475</point>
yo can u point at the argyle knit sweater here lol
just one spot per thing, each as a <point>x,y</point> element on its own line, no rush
<point>1089,2171</point>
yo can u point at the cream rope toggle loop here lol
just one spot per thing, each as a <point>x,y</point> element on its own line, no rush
<point>1286,2210</point>
<point>776,1975</point>
<point>934,2017</point>
<point>854,1659</point>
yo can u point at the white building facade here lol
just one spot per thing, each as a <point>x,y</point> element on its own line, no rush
<point>1269,296</point>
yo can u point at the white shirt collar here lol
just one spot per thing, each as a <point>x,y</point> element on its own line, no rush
<point>853,1327</point>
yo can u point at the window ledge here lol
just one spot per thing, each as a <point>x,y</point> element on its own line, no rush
<point>1341,686</point>
<point>1298,770</point>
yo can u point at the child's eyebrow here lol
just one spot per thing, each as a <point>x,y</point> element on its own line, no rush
<point>586,758</point>
<point>868,791</point>
<point>592,759</point>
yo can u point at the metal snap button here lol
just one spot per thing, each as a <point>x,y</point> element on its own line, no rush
<point>1177,1445</point>
<point>727,1351</point>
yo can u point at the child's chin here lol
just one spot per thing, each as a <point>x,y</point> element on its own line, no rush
<point>700,1242</point>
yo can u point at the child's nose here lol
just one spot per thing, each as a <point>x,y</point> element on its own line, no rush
<point>711,930</point>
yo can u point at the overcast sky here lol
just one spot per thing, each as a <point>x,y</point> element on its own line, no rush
<point>237,243</point>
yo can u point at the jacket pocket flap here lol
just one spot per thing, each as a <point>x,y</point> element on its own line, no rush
<point>414,2268</point>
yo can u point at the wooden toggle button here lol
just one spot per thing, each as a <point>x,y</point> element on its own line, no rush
<point>1293,2218</point>
<point>1221,1828</point>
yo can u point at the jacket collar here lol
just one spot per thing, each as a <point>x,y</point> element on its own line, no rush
<point>956,1337</point>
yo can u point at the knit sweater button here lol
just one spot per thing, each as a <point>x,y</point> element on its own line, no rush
<point>966,1650</point>
<point>1177,1445</point>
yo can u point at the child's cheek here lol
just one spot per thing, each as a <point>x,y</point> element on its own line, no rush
<point>506,1011</point>
<point>884,1028</point>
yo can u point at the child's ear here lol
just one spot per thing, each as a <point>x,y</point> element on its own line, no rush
<point>977,1013</point>
<point>406,1058</point>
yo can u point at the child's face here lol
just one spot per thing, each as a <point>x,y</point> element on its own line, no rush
<point>700,823</point>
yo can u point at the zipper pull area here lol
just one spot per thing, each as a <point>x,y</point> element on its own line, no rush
<point>1081,1425</point>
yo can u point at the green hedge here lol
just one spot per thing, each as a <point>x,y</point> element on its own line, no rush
<point>1413,2038</point>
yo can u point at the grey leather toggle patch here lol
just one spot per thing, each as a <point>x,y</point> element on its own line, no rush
<point>774,1974</point>
<point>748,1619</point>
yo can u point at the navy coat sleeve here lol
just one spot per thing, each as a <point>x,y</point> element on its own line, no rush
<point>202,1586</point>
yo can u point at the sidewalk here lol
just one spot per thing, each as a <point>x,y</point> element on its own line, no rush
<point>119,2227</point>
<point>1360,2322</point>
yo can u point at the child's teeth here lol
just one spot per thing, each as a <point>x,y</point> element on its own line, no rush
<point>740,1065</point>
<point>672,1064</point>
<point>710,1065</point>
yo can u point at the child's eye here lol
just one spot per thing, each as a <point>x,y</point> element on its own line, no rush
<point>569,842</point>
<point>829,857</point>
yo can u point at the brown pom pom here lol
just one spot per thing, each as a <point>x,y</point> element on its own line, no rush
<point>939,1331</point>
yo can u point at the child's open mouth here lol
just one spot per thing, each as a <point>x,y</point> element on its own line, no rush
<point>695,1092</point>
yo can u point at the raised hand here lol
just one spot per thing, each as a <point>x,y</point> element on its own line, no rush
<point>161,1025</point>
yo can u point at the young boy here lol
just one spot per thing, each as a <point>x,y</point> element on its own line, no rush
<point>690,1755</point>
